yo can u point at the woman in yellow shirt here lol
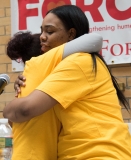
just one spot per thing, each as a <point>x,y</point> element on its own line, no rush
<point>85,98</point>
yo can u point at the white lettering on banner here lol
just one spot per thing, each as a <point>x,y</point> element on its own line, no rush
<point>110,18</point>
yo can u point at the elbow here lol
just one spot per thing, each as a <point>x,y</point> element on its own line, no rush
<point>19,114</point>
<point>6,112</point>
<point>24,112</point>
<point>98,41</point>
<point>9,114</point>
<point>99,45</point>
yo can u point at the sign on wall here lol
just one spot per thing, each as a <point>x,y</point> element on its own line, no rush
<point>110,18</point>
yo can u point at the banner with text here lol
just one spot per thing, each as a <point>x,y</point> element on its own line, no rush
<point>109,18</point>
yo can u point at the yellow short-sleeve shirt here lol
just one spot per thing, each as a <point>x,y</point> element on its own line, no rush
<point>37,139</point>
<point>89,110</point>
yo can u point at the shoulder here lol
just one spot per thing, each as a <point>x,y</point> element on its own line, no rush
<point>78,59</point>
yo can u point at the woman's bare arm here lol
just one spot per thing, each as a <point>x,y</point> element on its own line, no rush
<point>23,109</point>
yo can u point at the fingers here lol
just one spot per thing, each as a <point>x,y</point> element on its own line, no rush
<point>20,82</point>
<point>21,77</point>
<point>17,90</point>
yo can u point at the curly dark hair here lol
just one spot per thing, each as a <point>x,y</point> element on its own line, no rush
<point>24,45</point>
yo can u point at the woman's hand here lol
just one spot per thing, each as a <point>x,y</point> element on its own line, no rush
<point>20,82</point>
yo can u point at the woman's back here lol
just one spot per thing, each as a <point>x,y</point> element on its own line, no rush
<point>92,122</point>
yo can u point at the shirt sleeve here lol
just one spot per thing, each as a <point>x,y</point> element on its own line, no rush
<point>67,83</point>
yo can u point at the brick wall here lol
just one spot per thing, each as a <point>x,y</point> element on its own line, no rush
<point>5,62</point>
<point>122,72</point>
<point>123,75</point>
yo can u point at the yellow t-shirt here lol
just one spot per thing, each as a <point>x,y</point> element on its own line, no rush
<point>37,139</point>
<point>92,124</point>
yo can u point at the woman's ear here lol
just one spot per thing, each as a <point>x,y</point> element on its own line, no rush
<point>72,34</point>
